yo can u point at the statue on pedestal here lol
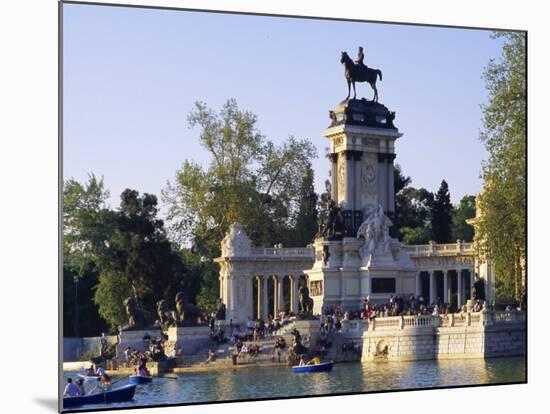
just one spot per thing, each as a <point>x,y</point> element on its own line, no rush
<point>166,316</point>
<point>306,302</point>
<point>358,72</point>
<point>376,232</point>
<point>138,318</point>
<point>332,227</point>
<point>220,310</point>
<point>478,290</point>
<point>186,313</point>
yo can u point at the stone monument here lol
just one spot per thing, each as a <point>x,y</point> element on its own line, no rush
<point>360,259</point>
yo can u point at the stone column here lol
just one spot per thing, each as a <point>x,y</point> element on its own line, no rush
<point>295,280</point>
<point>445,286</point>
<point>358,182</point>
<point>291,288</point>
<point>433,293</point>
<point>348,203</point>
<point>459,295</point>
<point>472,281</point>
<point>334,177</point>
<point>418,291</point>
<point>382,188</point>
<point>391,185</point>
<point>275,298</point>
<point>265,303</point>
<point>280,298</point>
<point>259,296</point>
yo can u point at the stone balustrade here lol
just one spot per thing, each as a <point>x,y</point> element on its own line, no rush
<point>446,249</point>
<point>283,251</point>
<point>446,321</point>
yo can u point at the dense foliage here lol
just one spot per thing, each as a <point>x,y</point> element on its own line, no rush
<point>501,228</point>
<point>268,188</point>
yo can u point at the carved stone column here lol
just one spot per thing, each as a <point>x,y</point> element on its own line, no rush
<point>391,185</point>
<point>265,303</point>
<point>382,188</point>
<point>357,190</point>
<point>280,298</point>
<point>275,296</point>
<point>349,198</point>
<point>259,296</point>
<point>445,286</point>
<point>334,177</point>
<point>433,294</point>
<point>295,305</point>
<point>459,295</point>
<point>418,290</point>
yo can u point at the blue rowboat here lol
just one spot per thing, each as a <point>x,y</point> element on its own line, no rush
<point>89,377</point>
<point>139,379</point>
<point>325,366</point>
<point>122,394</point>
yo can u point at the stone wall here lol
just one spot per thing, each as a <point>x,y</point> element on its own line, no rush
<point>74,348</point>
<point>425,337</point>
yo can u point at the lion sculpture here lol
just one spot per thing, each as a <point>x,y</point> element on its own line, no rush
<point>138,318</point>
<point>186,313</point>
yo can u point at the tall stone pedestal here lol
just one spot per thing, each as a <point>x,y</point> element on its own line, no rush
<point>134,339</point>
<point>191,339</point>
<point>344,277</point>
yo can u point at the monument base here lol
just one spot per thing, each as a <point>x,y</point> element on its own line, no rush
<point>190,339</point>
<point>134,340</point>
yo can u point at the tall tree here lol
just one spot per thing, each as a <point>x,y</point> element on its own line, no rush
<point>305,224</point>
<point>466,209</point>
<point>140,260</point>
<point>441,214</point>
<point>250,180</point>
<point>84,235</point>
<point>501,227</point>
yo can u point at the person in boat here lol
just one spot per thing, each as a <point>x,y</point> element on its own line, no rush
<point>71,389</point>
<point>302,361</point>
<point>90,372</point>
<point>104,385</point>
<point>314,361</point>
<point>100,371</point>
<point>142,370</point>
<point>80,385</point>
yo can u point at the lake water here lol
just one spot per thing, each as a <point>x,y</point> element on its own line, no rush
<point>245,384</point>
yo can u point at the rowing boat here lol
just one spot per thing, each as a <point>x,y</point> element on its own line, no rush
<point>139,379</point>
<point>122,394</point>
<point>89,377</point>
<point>325,366</point>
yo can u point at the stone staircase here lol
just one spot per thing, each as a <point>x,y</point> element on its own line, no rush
<point>224,354</point>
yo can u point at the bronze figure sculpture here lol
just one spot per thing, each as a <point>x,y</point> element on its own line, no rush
<point>186,313</point>
<point>166,316</point>
<point>137,318</point>
<point>358,72</point>
<point>306,302</point>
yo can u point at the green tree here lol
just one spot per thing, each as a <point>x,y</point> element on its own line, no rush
<point>84,236</point>
<point>249,180</point>
<point>140,258</point>
<point>412,221</point>
<point>466,209</point>
<point>305,224</point>
<point>441,214</point>
<point>501,228</point>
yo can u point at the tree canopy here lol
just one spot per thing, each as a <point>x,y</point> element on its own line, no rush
<point>266,187</point>
<point>501,227</point>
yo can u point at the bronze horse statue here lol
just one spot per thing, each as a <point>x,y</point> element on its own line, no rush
<point>359,73</point>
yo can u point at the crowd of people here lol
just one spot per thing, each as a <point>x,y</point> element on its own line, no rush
<point>397,305</point>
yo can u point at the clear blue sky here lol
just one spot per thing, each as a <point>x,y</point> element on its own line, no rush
<point>131,76</point>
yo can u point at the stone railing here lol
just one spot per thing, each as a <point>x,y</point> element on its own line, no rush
<point>305,252</point>
<point>440,249</point>
<point>446,321</point>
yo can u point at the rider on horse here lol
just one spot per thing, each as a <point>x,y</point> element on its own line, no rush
<point>360,57</point>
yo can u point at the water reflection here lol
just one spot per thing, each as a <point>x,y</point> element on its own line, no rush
<point>242,384</point>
